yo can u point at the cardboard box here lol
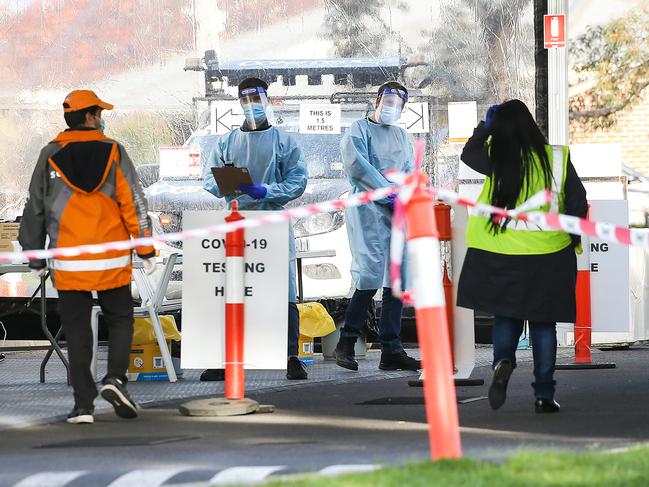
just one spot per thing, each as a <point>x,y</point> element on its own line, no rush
<point>305,349</point>
<point>8,234</point>
<point>145,363</point>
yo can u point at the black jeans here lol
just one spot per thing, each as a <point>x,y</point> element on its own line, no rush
<point>506,332</point>
<point>293,330</point>
<point>75,308</point>
<point>389,324</point>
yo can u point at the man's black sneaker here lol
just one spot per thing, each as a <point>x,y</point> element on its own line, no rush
<point>210,375</point>
<point>2,357</point>
<point>344,353</point>
<point>295,369</point>
<point>81,416</point>
<point>398,361</point>
<point>546,406</point>
<point>498,388</point>
<point>114,391</point>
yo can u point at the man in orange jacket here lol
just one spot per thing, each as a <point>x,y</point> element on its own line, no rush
<point>84,190</point>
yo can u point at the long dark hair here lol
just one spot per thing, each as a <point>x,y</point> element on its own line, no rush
<point>515,139</point>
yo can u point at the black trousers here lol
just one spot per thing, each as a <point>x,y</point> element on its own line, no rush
<point>75,308</point>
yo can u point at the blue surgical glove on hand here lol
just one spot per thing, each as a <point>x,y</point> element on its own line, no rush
<point>490,116</point>
<point>255,191</point>
<point>390,203</point>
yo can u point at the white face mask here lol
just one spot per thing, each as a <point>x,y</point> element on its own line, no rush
<point>389,115</point>
<point>389,109</point>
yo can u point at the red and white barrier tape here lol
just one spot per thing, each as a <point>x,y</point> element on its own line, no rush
<point>268,217</point>
<point>570,224</point>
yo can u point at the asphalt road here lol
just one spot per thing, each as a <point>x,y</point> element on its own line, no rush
<point>317,426</point>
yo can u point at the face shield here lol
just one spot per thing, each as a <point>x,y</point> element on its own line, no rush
<point>391,105</point>
<point>256,107</point>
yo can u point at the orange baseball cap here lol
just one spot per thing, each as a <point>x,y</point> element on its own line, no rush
<point>80,99</point>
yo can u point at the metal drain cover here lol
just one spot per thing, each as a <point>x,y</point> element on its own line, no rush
<point>119,441</point>
<point>396,401</point>
<point>413,401</point>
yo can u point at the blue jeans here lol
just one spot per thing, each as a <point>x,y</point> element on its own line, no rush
<point>389,324</point>
<point>506,332</point>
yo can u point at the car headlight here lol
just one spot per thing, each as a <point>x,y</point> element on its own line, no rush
<point>166,223</point>
<point>319,223</point>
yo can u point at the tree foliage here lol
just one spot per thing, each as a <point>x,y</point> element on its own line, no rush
<point>74,41</point>
<point>482,49</point>
<point>357,28</point>
<point>612,60</point>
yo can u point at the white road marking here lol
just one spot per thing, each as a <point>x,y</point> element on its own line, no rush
<point>333,470</point>
<point>150,478</point>
<point>50,479</point>
<point>237,475</point>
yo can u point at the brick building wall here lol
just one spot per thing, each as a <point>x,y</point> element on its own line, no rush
<point>631,131</point>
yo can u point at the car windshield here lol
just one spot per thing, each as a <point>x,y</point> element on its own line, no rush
<point>321,153</point>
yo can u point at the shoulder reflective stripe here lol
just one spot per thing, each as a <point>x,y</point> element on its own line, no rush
<point>90,264</point>
<point>557,177</point>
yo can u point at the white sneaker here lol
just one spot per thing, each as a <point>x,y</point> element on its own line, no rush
<point>80,416</point>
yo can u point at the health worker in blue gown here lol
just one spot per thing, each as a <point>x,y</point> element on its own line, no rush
<point>278,171</point>
<point>370,147</point>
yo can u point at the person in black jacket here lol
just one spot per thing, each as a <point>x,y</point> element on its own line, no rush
<point>517,271</point>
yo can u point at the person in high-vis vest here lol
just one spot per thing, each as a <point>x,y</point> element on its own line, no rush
<point>84,190</point>
<point>517,271</point>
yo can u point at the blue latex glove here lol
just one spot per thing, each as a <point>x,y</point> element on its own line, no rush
<point>391,198</point>
<point>490,116</point>
<point>255,191</point>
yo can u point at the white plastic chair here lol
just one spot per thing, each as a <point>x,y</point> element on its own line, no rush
<point>153,303</point>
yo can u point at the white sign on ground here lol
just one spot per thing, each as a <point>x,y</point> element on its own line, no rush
<point>180,162</point>
<point>609,271</point>
<point>319,118</point>
<point>462,119</point>
<point>266,294</point>
<point>414,118</point>
<point>225,116</point>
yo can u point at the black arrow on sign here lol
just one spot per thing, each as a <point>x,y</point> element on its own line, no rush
<point>228,127</point>
<point>420,117</point>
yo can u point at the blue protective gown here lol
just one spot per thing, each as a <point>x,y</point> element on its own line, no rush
<point>274,159</point>
<point>368,151</point>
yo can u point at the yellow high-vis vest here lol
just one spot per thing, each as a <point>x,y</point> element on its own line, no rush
<point>523,238</point>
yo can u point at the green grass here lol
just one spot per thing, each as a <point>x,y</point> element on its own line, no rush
<point>629,468</point>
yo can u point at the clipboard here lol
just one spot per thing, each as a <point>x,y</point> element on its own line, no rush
<point>229,178</point>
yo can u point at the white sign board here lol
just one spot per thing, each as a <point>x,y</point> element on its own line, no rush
<point>414,118</point>
<point>462,119</point>
<point>266,294</point>
<point>609,271</point>
<point>466,174</point>
<point>180,162</point>
<point>319,118</point>
<point>596,160</point>
<point>225,116</point>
